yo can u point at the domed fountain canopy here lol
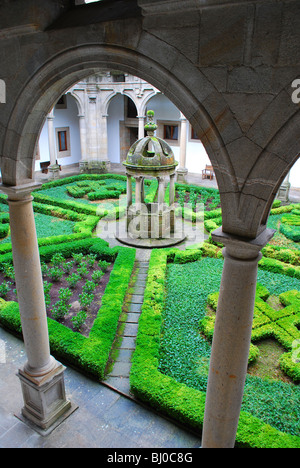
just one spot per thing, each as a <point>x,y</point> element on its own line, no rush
<point>160,155</point>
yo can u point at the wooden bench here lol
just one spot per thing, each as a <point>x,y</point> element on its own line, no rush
<point>45,165</point>
<point>208,172</point>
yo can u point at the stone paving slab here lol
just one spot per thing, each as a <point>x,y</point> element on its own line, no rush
<point>120,369</point>
<point>124,355</point>
<point>137,308</point>
<point>130,329</point>
<point>128,342</point>
<point>133,317</point>
<point>137,299</point>
<point>138,291</point>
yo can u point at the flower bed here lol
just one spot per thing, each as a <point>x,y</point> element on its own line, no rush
<point>88,353</point>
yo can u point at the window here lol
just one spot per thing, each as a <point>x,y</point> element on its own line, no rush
<point>62,102</point>
<point>194,135</point>
<point>171,132</point>
<point>118,78</point>
<point>63,142</point>
<point>83,2</point>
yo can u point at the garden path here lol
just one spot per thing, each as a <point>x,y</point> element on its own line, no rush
<point>118,377</point>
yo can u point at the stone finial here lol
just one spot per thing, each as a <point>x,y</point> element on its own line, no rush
<point>150,126</point>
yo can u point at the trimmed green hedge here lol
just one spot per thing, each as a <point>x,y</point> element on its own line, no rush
<point>88,354</point>
<point>268,323</point>
<point>165,393</point>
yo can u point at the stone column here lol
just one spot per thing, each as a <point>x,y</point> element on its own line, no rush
<point>141,127</point>
<point>103,155</point>
<point>92,129</point>
<point>182,170</point>
<point>129,191</point>
<point>138,191</point>
<point>42,378</point>
<point>161,190</point>
<point>172,189</point>
<point>82,128</point>
<point>53,168</point>
<point>172,201</point>
<point>232,336</point>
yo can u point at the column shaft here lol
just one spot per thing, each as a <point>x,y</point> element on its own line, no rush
<point>29,286</point>
<point>141,127</point>
<point>51,138</point>
<point>231,339</point>
<point>129,191</point>
<point>138,190</point>
<point>172,189</point>
<point>82,128</point>
<point>161,190</point>
<point>182,170</point>
<point>183,140</point>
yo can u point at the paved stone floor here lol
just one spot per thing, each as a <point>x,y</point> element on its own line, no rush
<point>104,419</point>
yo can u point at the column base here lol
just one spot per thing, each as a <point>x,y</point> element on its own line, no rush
<point>83,167</point>
<point>96,166</point>
<point>54,172</point>
<point>45,401</point>
<point>181,174</point>
<point>283,192</point>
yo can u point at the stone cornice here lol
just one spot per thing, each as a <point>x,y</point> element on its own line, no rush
<point>20,30</point>
<point>157,7</point>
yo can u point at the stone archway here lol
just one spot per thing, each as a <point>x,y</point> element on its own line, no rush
<point>202,105</point>
<point>244,210</point>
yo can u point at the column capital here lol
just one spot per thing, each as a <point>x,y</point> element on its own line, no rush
<point>20,192</point>
<point>51,115</point>
<point>240,247</point>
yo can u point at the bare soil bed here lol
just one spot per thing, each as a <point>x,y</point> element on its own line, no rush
<point>74,301</point>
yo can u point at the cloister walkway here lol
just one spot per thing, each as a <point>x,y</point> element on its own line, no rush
<point>105,418</point>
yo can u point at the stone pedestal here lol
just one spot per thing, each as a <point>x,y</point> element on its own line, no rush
<point>45,403</point>
<point>54,172</point>
<point>83,166</point>
<point>181,175</point>
<point>232,336</point>
<point>283,192</point>
<point>95,166</point>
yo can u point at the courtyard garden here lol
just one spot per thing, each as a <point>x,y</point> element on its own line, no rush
<point>86,281</point>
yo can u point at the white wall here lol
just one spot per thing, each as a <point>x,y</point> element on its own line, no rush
<point>115,115</point>
<point>196,156</point>
<point>62,118</point>
<point>165,110</point>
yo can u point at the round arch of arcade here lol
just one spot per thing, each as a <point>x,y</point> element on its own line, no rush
<point>198,104</point>
<point>59,74</point>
